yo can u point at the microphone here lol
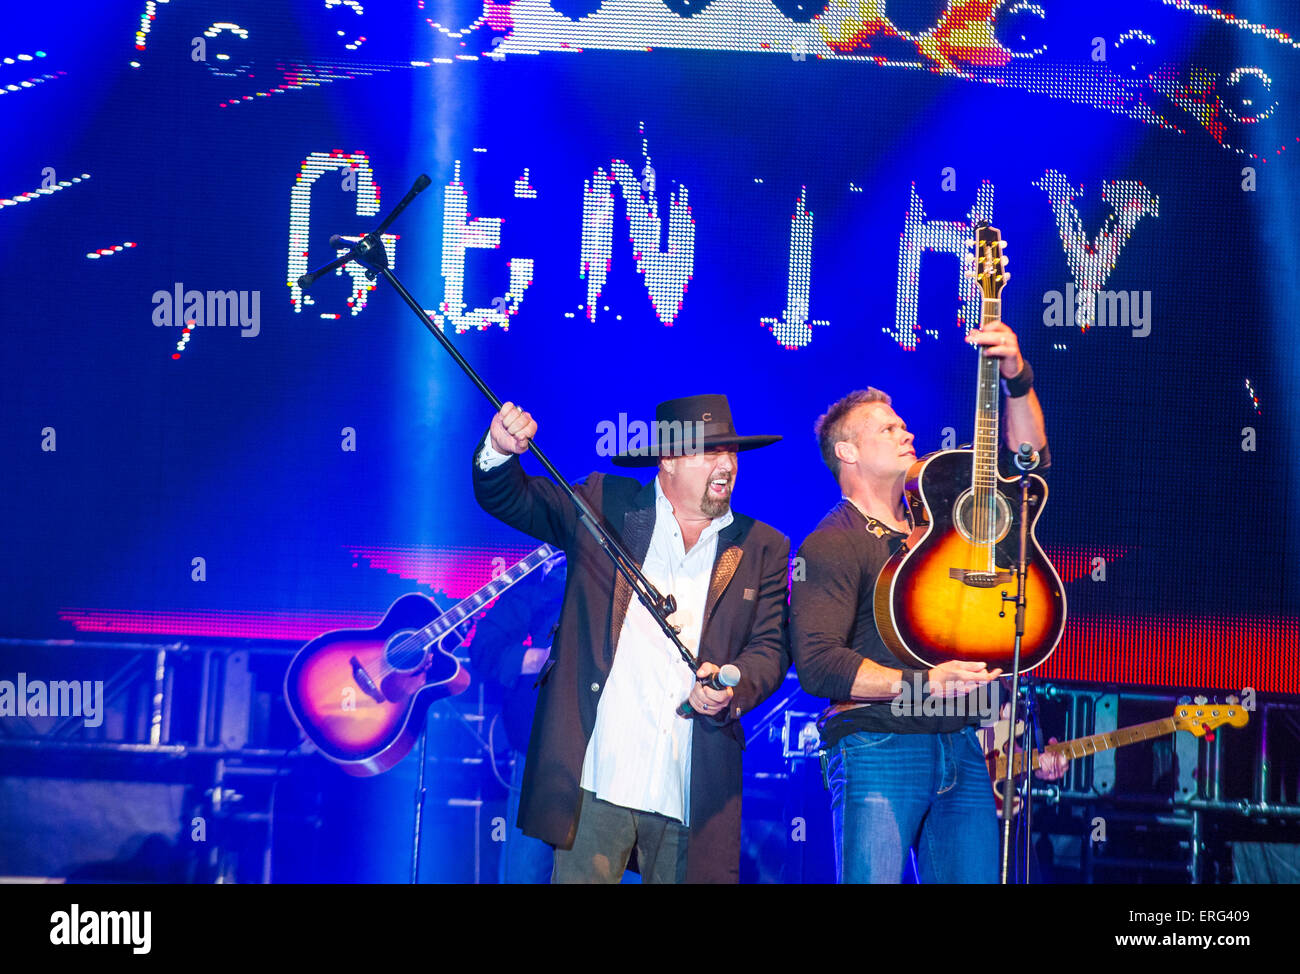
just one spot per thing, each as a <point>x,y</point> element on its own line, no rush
<point>1026,457</point>
<point>727,676</point>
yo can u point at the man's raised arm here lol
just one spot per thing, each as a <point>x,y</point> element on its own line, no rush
<point>533,505</point>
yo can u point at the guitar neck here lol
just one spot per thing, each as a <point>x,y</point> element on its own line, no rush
<point>987,397</point>
<point>468,606</point>
<point>1083,746</point>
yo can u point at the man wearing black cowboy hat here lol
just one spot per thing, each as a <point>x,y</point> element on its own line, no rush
<point>611,766</point>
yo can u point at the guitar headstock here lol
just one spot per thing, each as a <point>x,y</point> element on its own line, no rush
<point>990,262</point>
<point>1201,718</point>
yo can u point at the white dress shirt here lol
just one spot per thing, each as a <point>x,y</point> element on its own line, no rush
<point>639,754</point>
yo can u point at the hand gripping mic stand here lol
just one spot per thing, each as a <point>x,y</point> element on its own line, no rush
<point>370,253</point>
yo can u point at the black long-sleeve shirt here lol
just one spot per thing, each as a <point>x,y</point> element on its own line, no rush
<point>833,624</point>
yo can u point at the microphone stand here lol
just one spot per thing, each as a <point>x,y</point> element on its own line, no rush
<point>419,803</point>
<point>1029,741</point>
<point>1026,460</point>
<point>370,253</point>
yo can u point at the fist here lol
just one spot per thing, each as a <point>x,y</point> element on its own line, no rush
<point>511,429</point>
<point>1052,765</point>
<point>705,700</point>
<point>999,342</point>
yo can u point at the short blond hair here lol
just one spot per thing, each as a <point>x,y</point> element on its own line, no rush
<point>832,426</point>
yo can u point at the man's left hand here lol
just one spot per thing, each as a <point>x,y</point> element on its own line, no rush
<point>1000,342</point>
<point>534,659</point>
<point>1052,765</point>
<point>703,700</point>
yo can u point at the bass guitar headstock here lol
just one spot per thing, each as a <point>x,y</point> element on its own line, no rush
<point>1201,718</point>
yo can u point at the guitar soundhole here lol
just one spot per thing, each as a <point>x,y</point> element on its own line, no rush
<point>403,654</point>
<point>975,526</point>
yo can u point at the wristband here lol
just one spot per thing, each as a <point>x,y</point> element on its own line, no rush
<point>1021,384</point>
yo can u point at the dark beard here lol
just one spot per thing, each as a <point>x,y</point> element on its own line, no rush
<point>715,506</point>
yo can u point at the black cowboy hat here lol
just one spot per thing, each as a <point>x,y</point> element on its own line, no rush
<point>694,424</point>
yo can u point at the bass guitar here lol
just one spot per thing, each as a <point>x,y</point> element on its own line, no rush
<point>949,592</point>
<point>360,695</point>
<point>1197,719</point>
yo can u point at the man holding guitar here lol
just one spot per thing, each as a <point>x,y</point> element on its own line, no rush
<point>896,779</point>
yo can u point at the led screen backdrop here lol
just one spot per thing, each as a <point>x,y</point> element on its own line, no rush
<point>631,201</point>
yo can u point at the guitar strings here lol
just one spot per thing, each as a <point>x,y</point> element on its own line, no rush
<point>985,499</point>
<point>421,638</point>
<point>986,480</point>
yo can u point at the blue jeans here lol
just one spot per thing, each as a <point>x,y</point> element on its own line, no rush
<point>931,791</point>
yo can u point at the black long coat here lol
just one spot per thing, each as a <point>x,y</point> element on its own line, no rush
<point>745,619</point>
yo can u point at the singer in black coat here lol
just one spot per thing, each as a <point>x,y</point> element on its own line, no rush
<point>745,624</point>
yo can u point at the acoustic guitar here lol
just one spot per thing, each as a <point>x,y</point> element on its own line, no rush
<point>361,695</point>
<point>949,591</point>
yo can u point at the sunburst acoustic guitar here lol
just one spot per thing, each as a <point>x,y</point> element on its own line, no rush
<point>949,592</point>
<point>360,695</point>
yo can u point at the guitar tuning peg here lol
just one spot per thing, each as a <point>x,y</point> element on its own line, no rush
<point>1184,699</point>
<point>1199,701</point>
<point>1232,699</point>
